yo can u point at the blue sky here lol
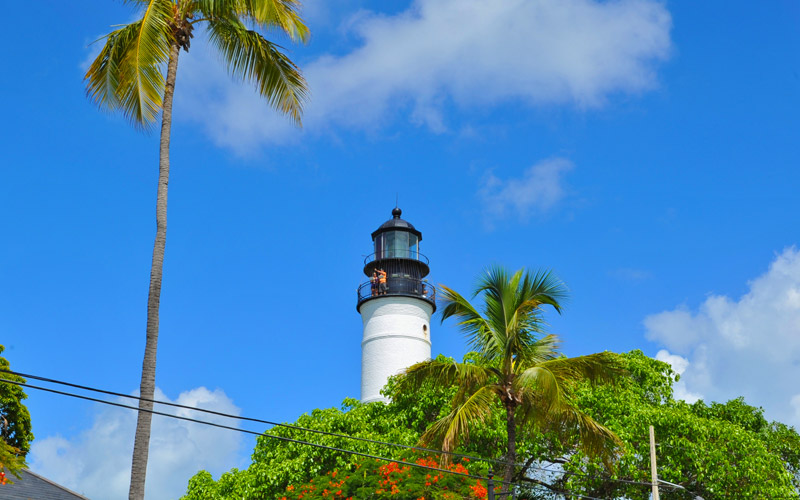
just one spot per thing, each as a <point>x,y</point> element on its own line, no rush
<point>645,151</point>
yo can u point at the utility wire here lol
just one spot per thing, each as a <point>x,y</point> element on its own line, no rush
<point>564,493</point>
<point>277,424</point>
<point>281,438</point>
<point>289,426</point>
<point>257,420</point>
<point>297,441</point>
<point>271,436</point>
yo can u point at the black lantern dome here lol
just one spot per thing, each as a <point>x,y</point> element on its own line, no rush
<point>397,224</point>
<point>396,251</point>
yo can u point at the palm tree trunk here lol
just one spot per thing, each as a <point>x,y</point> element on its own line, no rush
<point>511,456</point>
<point>147,388</point>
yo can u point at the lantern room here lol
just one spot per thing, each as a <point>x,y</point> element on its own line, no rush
<point>396,238</point>
<point>396,253</point>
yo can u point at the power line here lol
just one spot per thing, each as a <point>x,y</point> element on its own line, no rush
<point>289,426</point>
<point>297,441</point>
<point>249,419</point>
<point>271,436</point>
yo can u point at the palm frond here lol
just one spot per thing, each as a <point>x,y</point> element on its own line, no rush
<point>265,14</point>
<point>127,75</point>
<point>543,288</point>
<point>448,431</point>
<point>444,373</point>
<point>538,351</point>
<point>475,327</point>
<point>601,367</point>
<point>497,296</point>
<point>547,404</point>
<point>103,74</point>
<point>282,13</point>
<point>250,56</point>
<point>210,10</point>
<point>492,282</point>
<point>512,306</point>
<point>542,391</point>
<point>597,440</point>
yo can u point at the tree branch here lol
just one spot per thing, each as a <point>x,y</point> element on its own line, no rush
<point>549,486</point>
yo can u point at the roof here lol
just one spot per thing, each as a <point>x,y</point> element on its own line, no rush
<point>396,223</point>
<point>32,486</point>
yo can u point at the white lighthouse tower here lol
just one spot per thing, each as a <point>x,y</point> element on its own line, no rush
<point>396,313</point>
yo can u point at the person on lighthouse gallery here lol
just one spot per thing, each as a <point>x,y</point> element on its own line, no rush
<point>373,283</point>
<point>382,287</point>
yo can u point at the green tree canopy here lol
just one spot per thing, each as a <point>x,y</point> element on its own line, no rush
<point>278,464</point>
<point>722,450</point>
<point>719,450</point>
<point>15,422</point>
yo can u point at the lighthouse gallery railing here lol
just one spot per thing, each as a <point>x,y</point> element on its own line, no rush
<point>399,285</point>
<point>396,254</point>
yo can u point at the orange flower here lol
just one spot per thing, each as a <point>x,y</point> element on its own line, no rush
<point>480,491</point>
<point>461,469</point>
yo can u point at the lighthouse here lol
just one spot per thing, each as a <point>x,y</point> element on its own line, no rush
<point>396,305</point>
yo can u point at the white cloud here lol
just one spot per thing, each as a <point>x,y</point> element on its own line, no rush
<point>539,188</point>
<point>679,365</point>
<point>795,401</point>
<point>747,347</point>
<point>467,52</point>
<point>96,463</point>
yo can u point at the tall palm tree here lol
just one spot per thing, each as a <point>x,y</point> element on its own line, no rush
<point>519,368</point>
<point>128,76</point>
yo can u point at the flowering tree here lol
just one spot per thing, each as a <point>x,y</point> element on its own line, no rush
<point>376,479</point>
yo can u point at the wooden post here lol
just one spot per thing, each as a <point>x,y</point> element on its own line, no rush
<point>653,473</point>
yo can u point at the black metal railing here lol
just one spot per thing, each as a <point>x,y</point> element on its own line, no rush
<point>396,254</point>
<point>398,285</point>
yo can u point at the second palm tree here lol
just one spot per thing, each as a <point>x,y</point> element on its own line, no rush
<point>518,365</point>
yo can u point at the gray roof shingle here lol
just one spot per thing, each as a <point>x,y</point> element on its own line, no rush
<point>32,486</point>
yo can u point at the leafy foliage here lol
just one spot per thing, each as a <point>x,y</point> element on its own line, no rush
<point>277,464</point>
<point>15,423</point>
<point>718,450</point>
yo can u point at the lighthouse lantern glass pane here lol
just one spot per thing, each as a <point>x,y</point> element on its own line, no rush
<point>397,244</point>
<point>412,246</point>
<point>400,245</point>
<point>388,240</point>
